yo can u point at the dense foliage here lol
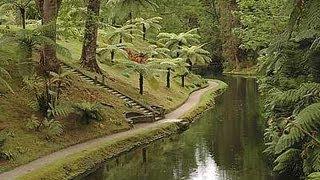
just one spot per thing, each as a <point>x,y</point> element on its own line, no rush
<point>290,82</point>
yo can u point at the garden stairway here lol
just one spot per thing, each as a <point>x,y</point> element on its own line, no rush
<point>153,112</point>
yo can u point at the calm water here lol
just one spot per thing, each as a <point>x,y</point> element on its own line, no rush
<point>226,143</point>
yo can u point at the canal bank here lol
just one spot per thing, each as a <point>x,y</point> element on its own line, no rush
<point>78,159</point>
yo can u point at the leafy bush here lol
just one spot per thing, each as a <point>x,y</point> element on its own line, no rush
<point>88,112</point>
<point>52,128</point>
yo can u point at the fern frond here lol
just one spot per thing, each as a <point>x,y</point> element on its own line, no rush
<point>314,176</point>
<point>316,160</point>
<point>286,160</point>
<point>307,120</point>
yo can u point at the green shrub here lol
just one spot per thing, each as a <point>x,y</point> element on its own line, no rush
<point>52,128</point>
<point>88,112</point>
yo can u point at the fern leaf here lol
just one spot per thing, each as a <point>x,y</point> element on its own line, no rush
<point>308,119</point>
<point>286,160</point>
<point>316,160</point>
<point>288,140</point>
<point>314,176</point>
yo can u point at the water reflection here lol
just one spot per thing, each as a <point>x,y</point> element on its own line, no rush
<point>226,143</point>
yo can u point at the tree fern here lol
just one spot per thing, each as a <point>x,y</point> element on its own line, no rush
<point>305,122</point>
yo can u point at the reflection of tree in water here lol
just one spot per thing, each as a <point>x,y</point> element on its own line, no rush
<point>230,135</point>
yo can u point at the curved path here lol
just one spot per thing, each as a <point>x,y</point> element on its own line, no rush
<point>174,116</point>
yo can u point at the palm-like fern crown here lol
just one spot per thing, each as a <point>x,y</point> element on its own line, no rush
<point>173,40</point>
<point>115,48</point>
<point>196,54</point>
<point>148,23</point>
<point>129,31</point>
<point>179,65</point>
<point>154,51</point>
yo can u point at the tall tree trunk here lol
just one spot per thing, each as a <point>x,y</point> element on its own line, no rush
<point>168,77</point>
<point>48,59</point>
<point>89,57</point>
<point>141,83</point>
<point>228,21</point>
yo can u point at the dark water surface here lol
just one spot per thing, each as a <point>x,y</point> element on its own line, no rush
<point>226,143</point>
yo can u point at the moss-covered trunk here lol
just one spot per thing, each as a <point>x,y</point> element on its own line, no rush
<point>88,57</point>
<point>48,59</point>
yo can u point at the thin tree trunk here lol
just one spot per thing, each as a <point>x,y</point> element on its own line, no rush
<point>144,29</point>
<point>168,77</point>
<point>89,57</point>
<point>23,17</point>
<point>112,55</point>
<point>190,64</point>
<point>141,83</point>
<point>183,80</point>
<point>120,40</point>
<point>48,59</point>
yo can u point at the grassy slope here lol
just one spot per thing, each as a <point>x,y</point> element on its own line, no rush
<point>169,98</point>
<point>25,146</point>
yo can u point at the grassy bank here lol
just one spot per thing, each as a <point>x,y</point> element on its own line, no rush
<point>79,163</point>
<point>82,162</point>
